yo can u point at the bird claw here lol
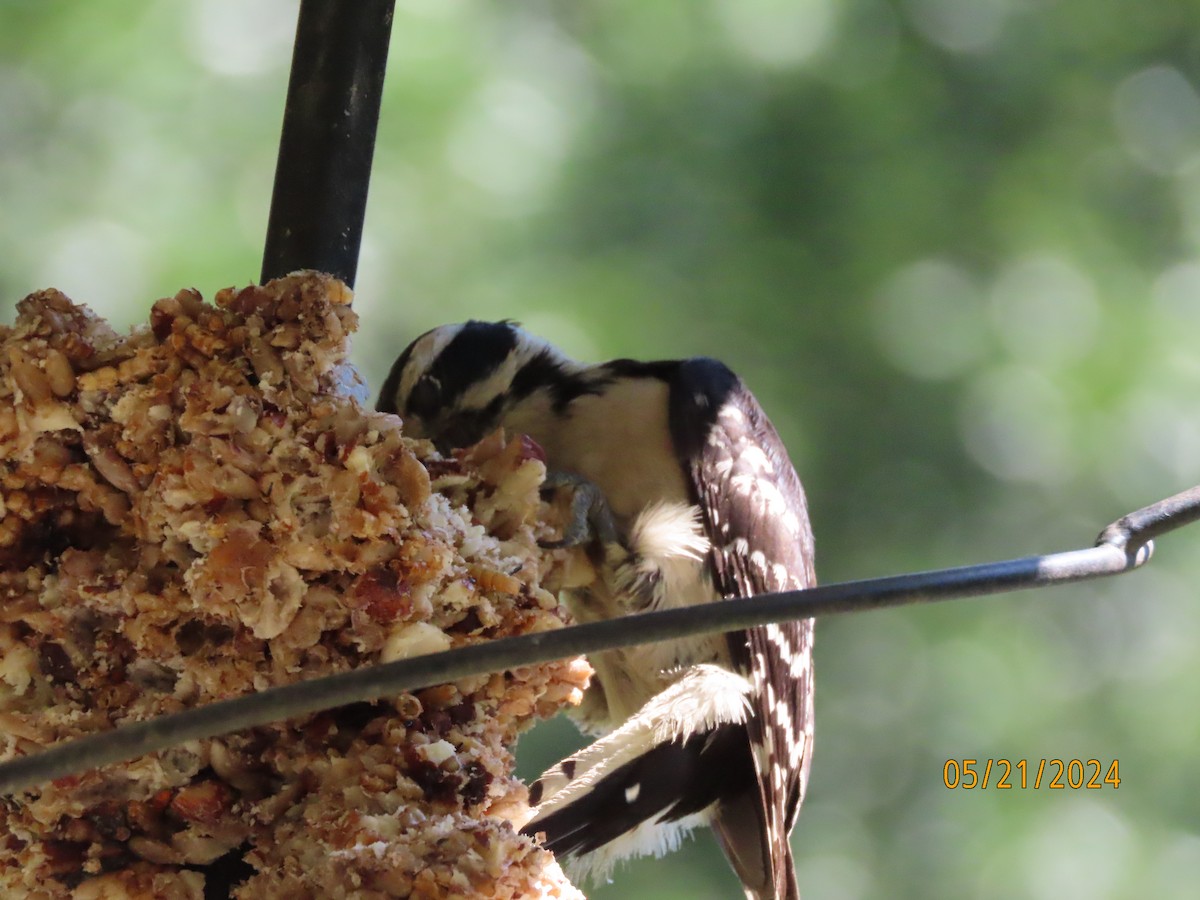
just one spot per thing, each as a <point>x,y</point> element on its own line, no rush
<point>591,518</point>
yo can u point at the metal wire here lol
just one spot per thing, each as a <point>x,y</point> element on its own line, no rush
<point>1122,546</point>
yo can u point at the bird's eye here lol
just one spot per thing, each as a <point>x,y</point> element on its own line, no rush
<point>425,399</point>
<point>464,430</point>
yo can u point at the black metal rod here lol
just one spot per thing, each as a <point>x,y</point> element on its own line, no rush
<point>1122,546</point>
<point>328,138</point>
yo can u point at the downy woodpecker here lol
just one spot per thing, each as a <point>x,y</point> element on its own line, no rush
<point>714,730</point>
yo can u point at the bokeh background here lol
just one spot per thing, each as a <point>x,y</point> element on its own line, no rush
<point>953,245</point>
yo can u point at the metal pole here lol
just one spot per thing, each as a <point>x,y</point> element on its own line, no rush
<point>328,139</point>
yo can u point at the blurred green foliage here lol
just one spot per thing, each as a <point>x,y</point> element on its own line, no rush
<point>954,246</point>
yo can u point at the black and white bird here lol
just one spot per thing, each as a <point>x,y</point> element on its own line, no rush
<point>705,505</point>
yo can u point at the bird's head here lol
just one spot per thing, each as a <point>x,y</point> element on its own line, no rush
<point>457,383</point>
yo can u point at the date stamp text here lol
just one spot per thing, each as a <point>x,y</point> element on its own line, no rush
<point>1031,774</point>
